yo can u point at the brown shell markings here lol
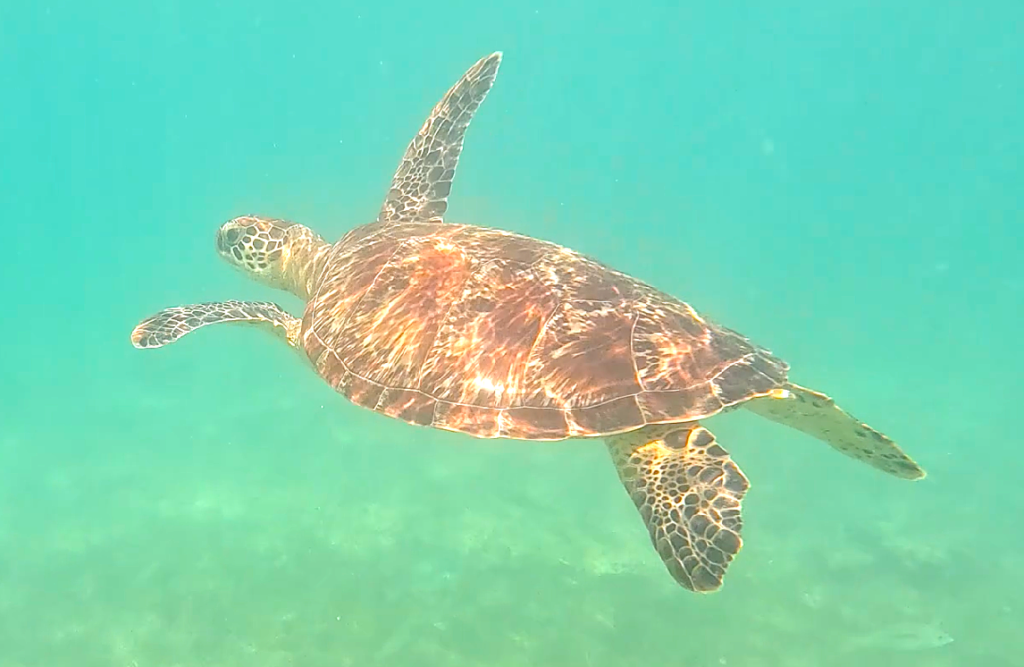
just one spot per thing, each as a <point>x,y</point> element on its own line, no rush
<point>496,334</point>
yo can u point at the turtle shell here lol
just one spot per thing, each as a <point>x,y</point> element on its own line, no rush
<point>496,334</point>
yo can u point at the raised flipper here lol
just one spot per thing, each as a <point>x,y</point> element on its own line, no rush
<point>419,189</point>
<point>688,492</point>
<point>818,415</point>
<point>171,324</point>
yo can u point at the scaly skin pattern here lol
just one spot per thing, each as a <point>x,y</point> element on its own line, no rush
<point>421,184</point>
<point>277,253</point>
<point>688,492</point>
<point>170,324</point>
<point>818,415</point>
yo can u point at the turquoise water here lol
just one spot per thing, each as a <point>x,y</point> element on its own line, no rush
<point>838,181</point>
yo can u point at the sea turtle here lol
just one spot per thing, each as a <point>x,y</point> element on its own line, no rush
<point>499,335</point>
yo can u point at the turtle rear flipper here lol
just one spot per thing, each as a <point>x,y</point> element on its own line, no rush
<point>818,415</point>
<point>688,491</point>
<point>170,324</point>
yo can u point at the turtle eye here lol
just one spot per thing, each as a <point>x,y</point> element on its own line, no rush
<point>227,240</point>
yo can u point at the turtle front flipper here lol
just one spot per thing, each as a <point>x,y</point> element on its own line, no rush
<point>688,491</point>
<point>818,415</point>
<point>170,324</point>
<point>419,189</point>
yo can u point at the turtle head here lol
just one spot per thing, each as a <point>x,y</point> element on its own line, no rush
<point>254,245</point>
<point>274,252</point>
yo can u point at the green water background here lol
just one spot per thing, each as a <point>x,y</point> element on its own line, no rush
<point>839,181</point>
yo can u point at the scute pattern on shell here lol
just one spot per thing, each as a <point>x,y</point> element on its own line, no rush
<point>500,335</point>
